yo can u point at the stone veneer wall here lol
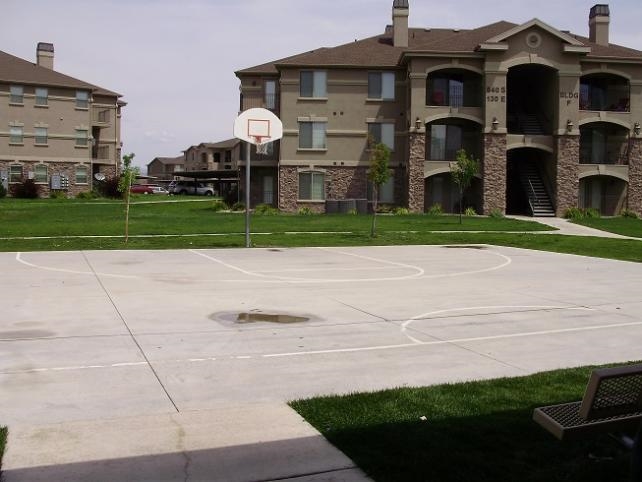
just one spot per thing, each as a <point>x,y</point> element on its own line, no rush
<point>494,173</point>
<point>567,184</point>
<point>635,175</point>
<point>416,182</point>
<point>288,188</point>
<point>64,168</point>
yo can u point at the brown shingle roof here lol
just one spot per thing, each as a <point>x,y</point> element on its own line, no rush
<point>15,69</point>
<point>169,160</point>
<point>378,51</point>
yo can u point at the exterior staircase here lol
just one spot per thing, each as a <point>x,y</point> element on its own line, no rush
<point>530,125</point>
<point>538,198</point>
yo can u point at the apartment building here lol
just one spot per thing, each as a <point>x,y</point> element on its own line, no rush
<point>54,129</point>
<point>554,117</point>
<point>163,168</point>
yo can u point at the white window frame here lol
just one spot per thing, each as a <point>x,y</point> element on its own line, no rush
<point>14,175</point>
<point>386,89</point>
<point>313,194</point>
<point>318,135</point>
<point>82,137</point>
<point>16,135</point>
<point>81,173</point>
<point>39,137</point>
<point>386,134</point>
<point>82,99</point>
<point>42,100</point>
<point>319,84</point>
<point>16,94</point>
<point>38,176</point>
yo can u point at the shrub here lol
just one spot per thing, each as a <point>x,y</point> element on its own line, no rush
<point>218,206</point>
<point>384,208</point>
<point>579,213</point>
<point>401,211</point>
<point>265,210</point>
<point>305,211</point>
<point>627,213</point>
<point>496,214</point>
<point>435,210</point>
<point>3,191</point>
<point>109,188</point>
<point>591,213</point>
<point>238,207</point>
<point>470,211</point>
<point>86,195</point>
<point>57,195</point>
<point>353,212</point>
<point>26,189</point>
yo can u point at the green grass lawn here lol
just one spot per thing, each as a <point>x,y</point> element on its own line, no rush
<point>195,224</point>
<point>619,225</point>
<point>3,442</point>
<point>481,431</point>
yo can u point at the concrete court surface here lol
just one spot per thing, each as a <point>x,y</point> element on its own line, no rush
<point>131,365</point>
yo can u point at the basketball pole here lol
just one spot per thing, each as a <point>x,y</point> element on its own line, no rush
<point>248,243</point>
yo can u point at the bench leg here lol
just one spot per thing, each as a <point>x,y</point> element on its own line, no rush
<point>636,457</point>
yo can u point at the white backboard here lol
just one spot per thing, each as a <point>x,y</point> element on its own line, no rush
<point>258,126</point>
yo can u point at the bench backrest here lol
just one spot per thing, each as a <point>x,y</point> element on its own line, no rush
<point>612,391</point>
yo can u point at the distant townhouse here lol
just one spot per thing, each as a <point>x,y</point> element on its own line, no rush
<point>59,131</point>
<point>554,118</point>
<point>163,168</point>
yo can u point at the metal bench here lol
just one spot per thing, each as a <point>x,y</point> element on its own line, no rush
<point>612,403</point>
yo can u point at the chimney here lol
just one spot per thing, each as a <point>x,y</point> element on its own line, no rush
<point>400,13</point>
<point>45,55</point>
<point>599,19</point>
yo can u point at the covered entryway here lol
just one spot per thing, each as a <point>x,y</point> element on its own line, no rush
<point>529,172</point>
<point>607,194</point>
<point>441,190</point>
<point>531,99</point>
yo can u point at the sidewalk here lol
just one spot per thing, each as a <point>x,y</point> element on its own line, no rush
<point>568,228</point>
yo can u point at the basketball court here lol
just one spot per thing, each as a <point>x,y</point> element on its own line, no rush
<point>113,337</point>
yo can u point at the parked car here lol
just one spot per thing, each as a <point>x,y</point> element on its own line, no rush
<point>148,189</point>
<point>190,187</point>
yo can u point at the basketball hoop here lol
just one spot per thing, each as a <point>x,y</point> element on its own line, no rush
<point>262,149</point>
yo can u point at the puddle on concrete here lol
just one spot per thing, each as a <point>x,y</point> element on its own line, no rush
<point>275,250</point>
<point>464,247</point>
<point>258,316</point>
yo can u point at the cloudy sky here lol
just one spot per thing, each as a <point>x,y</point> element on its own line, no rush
<point>174,60</point>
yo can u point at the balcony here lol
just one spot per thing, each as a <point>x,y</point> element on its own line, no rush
<point>101,153</point>
<point>604,144</point>
<point>102,118</point>
<point>443,141</point>
<point>605,92</point>
<point>265,101</point>
<point>454,88</point>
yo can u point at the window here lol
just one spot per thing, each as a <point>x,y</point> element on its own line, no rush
<point>311,186</point>
<point>42,96</point>
<point>313,84</point>
<point>40,173</point>
<point>17,94</point>
<point>217,157</point>
<point>446,91</point>
<point>16,135</point>
<point>386,191</point>
<point>381,85</point>
<point>270,94</point>
<point>383,133</point>
<point>445,141</point>
<point>228,156</point>
<point>203,157</point>
<point>81,174</point>
<point>41,135</point>
<point>82,99</point>
<point>312,135</point>
<point>81,137</point>
<point>15,173</point>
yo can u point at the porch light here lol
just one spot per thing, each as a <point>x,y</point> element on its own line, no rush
<point>418,123</point>
<point>569,125</point>
<point>495,123</point>
<point>636,128</point>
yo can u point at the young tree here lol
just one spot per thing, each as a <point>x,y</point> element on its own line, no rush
<point>462,173</point>
<point>378,174</point>
<point>127,177</point>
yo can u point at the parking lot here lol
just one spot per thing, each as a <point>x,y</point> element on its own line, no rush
<point>90,337</point>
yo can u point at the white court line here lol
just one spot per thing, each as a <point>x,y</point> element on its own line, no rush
<point>275,278</point>
<point>70,271</point>
<point>405,324</point>
<point>418,343</point>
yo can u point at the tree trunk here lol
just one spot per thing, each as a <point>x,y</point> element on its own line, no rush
<point>373,229</point>
<point>461,203</point>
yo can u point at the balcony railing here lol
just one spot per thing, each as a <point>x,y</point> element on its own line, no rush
<point>265,101</point>
<point>102,117</point>
<point>101,153</point>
